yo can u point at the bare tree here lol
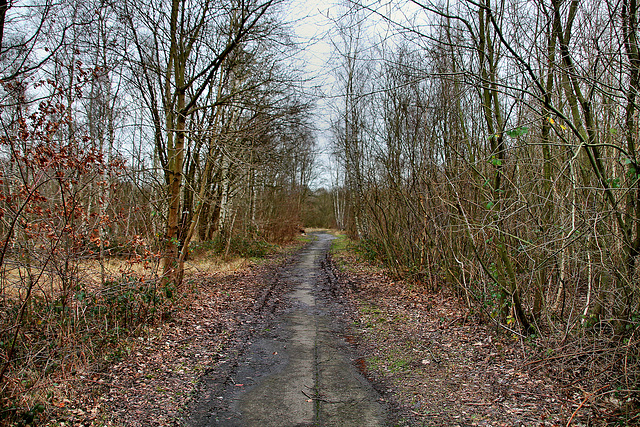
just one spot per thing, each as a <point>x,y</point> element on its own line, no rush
<point>176,76</point>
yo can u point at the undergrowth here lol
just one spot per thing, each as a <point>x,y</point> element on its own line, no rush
<point>66,334</point>
<point>63,337</point>
<point>236,246</point>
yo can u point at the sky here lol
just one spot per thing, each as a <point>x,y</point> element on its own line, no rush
<point>313,25</point>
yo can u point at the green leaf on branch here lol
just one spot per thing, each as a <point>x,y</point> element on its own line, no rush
<point>614,182</point>
<point>516,132</point>
<point>632,172</point>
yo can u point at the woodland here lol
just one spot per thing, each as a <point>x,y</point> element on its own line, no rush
<point>486,148</point>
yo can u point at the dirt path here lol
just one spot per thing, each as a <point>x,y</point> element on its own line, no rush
<point>298,372</point>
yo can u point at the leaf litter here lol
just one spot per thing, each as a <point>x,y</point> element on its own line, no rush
<point>444,366</point>
<point>159,373</point>
<point>434,361</point>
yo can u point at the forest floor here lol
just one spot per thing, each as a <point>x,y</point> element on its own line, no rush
<point>446,367</point>
<point>433,362</point>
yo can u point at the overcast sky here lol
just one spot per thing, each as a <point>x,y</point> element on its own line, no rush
<point>314,23</point>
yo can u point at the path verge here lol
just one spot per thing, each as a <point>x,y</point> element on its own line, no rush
<point>441,364</point>
<point>158,373</point>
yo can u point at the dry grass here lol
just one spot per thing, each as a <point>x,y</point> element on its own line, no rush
<point>212,263</point>
<point>14,278</point>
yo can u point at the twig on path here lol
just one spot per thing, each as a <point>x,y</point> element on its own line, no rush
<point>587,397</point>
<point>452,322</point>
<point>478,403</point>
<point>565,356</point>
<point>320,399</point>
<point>103,383</point>
<point>527,393</point>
